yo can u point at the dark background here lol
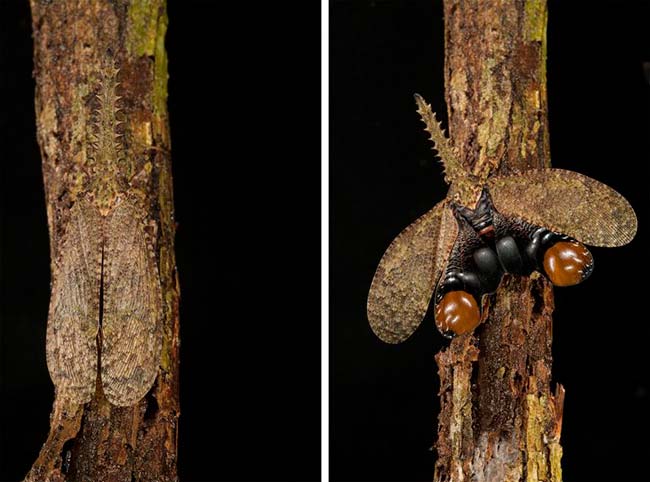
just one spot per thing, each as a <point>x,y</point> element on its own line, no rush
<point>384,175</point>
<point>244,106</point>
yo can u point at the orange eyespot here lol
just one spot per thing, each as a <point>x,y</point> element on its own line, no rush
<point>567,263</point>
<point>457,312</point>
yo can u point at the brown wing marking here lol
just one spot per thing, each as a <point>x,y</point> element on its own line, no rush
<point>132,313</point>
<point>405,278</point>
<point>568,203</point>
<point>71,346</point>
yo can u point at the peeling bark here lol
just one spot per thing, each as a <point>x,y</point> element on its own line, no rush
<point>499,420</point>
<point>73,43</point>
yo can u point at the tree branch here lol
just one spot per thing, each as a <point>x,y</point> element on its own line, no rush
<point>499,420</point>
<point>74,44</point>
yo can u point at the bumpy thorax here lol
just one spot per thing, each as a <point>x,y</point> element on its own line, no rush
<point>106,147</point>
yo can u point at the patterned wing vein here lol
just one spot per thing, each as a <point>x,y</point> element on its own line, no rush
<point>74,306</point>
<point>403,283</point>
<point>132,312</point>
<point>568,203</point>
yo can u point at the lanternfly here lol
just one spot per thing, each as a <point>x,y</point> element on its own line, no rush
<point>488,226</point>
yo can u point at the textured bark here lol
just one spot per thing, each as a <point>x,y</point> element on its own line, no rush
<point>499,420</point>
<point>74,43</point>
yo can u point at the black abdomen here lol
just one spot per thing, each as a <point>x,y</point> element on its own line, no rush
<point>477,263</point>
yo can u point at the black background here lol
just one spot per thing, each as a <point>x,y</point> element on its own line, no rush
<point>383,176</point>
<point>247,203</point>
<point>244,105</point>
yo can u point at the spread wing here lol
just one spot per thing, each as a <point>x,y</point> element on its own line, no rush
<point>407,273</point>
<point>73,322</point>
<point>568,203</point>
<point>132,312</point>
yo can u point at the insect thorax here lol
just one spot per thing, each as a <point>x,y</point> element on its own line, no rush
<point>489,245</point>
<point>106,150</point>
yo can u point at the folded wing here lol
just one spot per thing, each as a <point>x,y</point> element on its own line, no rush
<point>73,321</point>
<point>132,311</point>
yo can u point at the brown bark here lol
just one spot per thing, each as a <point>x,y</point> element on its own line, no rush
<point>499,420</point>
<point>73,43</point>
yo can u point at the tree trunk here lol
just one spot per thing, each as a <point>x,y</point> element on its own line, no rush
<point>75,43</point>
<point>499,420</point>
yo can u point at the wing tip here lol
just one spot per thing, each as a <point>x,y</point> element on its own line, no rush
<point>389,337</point>
<point>129,399</point>
<point>379,327</point>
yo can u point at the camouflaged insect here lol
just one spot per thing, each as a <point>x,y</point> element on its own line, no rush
<point>106,304</point>
<point>562,205</point>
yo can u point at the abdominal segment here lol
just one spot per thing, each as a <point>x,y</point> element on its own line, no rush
<point>477,264</point>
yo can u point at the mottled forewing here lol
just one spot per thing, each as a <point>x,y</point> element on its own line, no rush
<point>132,310</point>
<point>73,321</point>
<point>567,202</point>
<point>405,278</point>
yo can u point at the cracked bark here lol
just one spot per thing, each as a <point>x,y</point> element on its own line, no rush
<point>499,420</point>
<point>72,40</point>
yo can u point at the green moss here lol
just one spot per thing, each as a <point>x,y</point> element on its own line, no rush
<point>165,355</point>
<point>542,457</point>
<point>556,461</point>
<point>142,30</point>
<point>535,20</point>
<point>146,37</point>
<point>160,68</point>
<point>535,23</point>
<point>534,456</point>
<point>542,38</point>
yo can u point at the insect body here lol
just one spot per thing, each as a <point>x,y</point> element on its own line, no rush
<point>489,245</point>
<point>517,226</point>
<point>106,306</point>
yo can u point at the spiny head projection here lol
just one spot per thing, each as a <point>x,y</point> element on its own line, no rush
<point>450,163</point>
<point>465,186</point>
<point>106,149</point>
